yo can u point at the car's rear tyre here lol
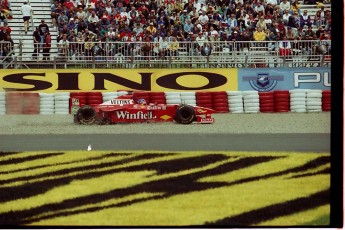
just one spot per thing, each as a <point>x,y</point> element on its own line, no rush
<point>185,114</point>
<point>86,115</point>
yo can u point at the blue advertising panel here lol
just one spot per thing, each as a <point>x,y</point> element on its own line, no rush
<point>269,79</point>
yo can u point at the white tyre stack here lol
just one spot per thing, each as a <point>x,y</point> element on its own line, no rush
<point>61,103</point>
<point>251,102</point>
<point>314,101</point>
<point>2,103</point>
<point>47,104</point>
<point>298,100</point>
<point>107,96</point>
<point>188,98</point>
<point>120,93</point>
<point>173,98</point>
<point>235,101</point>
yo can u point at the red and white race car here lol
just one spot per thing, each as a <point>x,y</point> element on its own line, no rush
<point>125,110</point>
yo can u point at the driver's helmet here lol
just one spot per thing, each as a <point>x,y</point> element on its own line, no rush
<point>141,101</point>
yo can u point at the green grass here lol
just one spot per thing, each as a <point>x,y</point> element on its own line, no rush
<point>165,189</point>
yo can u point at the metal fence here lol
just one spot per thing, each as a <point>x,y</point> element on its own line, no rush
<point>174,54</point>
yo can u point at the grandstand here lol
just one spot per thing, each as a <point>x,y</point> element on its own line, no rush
<point>114,54</point>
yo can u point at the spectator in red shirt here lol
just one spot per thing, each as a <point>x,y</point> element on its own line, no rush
<point>68,4</point>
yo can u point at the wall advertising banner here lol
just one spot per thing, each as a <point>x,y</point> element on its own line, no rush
<point>268,79</point>
<point>119,79</point>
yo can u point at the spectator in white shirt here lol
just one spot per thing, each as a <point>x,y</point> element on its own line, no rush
<point>26,13</point>
<point>272,2</point>
<point>203,18</point>
<point>284,5</point>
<point>200,39</point>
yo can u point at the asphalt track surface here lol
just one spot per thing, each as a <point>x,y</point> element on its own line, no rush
<point>168,142</point>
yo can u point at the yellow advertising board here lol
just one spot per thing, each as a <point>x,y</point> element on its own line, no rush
<point>111,80</point>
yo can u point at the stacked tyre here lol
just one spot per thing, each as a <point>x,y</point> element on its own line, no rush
<point>62,103</point>
<point>81,96</point>
<point>2,103</point>
<point>314,101</point>
<point>14,103</point>
<point>94,98</point>
<point>141,95</point>
<point>31,103</point>
<point>47,104</point>
<point>282,101</point>
<point>298,102</point>
<point>204,99</point>
<point>107,96</point>
<point>157,97</point>
<point>266,100</point>
<point>188,98</point>
<point>235,101</point>
<point>220,102</point>
<point>173,98</point>
<point>251,101</point>
<point>326,100</point>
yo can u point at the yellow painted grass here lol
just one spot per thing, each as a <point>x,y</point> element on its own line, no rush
<point>187,209</point>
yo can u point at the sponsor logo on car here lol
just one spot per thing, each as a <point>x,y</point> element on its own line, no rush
<point>121,102</point>
<point>263,82</point>
<point>135,116</point>
<point>165,117</point>
<point>206,120</point>
<point>201,110</point>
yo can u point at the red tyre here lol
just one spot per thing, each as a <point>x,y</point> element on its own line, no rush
<point>267,104</point>
<point>206,101</point>
<point>219,104</point>
<point>158,97</point>
<point>220,97</point>
<point>266,97</point>
<point>94,97</point>
<point>94,101</point>
<point>205,105</point>
<point>92,94</point>
<point>271,93</point>
<point>267,109</point>
<point>159,101</point>
<point>203,94</point>
<point>281,92</point>
<point>152,94</point>
<point>283,103</point>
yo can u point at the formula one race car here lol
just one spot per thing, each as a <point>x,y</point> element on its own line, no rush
<point>125,110</point>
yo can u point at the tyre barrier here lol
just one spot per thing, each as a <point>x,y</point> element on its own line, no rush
<point>314,101</point>
<point>326,100</point>
<point>157,97</point>
<point>235,101</point>
<point>94,98</point>
<point>204,99</point>
<point>62,103</point>
<point>2,103</point>
<point>282,101</point>
<point>14,103</point>
<point>47,105</point>
<point>188,98</point>
<point>22,103</point>
<point>251,101</point>
<point>297,100</point>
<point>266,100</point>
<point>107,96</point>
<point>173,98</point>
<point>220,102</point>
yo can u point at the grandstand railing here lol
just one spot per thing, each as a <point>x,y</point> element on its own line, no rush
<point>208,54</point>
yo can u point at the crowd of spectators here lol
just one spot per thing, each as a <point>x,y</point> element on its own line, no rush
<point>170,22</point>
<point>6,42</point>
